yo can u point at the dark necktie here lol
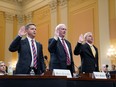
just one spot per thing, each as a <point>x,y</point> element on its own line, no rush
<point>68,59</point>
<point>34,54</point>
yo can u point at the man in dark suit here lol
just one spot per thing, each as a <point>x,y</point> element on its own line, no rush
<point>60,50</point>
<point>30,57</point>
<point>88,53</point>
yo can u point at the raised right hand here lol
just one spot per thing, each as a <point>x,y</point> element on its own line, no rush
<point>81,38</point>
<point>22,31</point>
<point>56,34</point>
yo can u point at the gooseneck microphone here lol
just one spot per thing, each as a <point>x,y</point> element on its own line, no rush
<point>47,63</point>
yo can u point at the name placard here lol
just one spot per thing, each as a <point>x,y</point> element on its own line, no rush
<point>62,72</point>
<point>99,75</point>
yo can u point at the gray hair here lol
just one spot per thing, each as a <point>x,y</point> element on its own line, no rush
<point>60,26</point>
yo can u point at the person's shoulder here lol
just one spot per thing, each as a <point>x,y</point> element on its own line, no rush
<point>67,41</point>
<point>95,47</point>
<point>38,42</point>
<point>51,38</point>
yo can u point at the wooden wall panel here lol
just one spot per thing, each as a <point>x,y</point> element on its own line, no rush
<point>81,23</point>
<point>2,36</point>
<point>112,21</point>
<point>43,36</point>
<point>41,18</point>
<point>15,32</point>
<point>82,19</point>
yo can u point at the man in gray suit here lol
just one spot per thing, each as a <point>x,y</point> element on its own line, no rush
<point>30,57</point>
<point>88,53</point>
<point>60,50</point>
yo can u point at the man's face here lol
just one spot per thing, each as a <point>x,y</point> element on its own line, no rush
<point>105,69</point>
<point>113,67</point>
<point>31,31</point>
<point>62,31</point>
<point>2,67</point>
<point>89,38</point>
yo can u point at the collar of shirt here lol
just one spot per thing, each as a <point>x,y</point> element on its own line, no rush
<point>30,39</point>
<point>89,44</point>
<point>60,38</point>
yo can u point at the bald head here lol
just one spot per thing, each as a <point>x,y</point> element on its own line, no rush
<point>87,34</point>
<point>88,37</point>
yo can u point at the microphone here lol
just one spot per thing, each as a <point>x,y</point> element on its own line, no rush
<point>76,66</point>
<point>46,58</point>
<point>79,71</point>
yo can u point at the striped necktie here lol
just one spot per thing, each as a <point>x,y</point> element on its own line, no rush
<point>67,55</point>
<point>34,54</point>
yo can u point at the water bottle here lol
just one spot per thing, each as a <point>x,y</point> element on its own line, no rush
<point>32,72</point>
<point>10,70</point>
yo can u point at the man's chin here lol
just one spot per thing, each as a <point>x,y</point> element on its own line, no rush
<point>34,35</point>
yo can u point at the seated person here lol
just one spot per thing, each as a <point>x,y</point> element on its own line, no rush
<point>105,68</point>
<point>2,68</point>
<point>113,70</point>
<point>113,67</point>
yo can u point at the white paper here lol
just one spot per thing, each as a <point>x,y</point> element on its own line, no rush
<point>62,72</point>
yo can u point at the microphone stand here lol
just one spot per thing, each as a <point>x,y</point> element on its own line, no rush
<point>77,73</point>
<point>46,58</point>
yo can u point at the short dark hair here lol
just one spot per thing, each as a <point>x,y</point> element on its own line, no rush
<point>28,25</point>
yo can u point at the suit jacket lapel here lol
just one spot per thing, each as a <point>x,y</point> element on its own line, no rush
<point>37,48</point>
<point>89,50</point>
<point>28,46</point>
<point>60,45</point>
<point>67,43</point>
<point>95,50</point>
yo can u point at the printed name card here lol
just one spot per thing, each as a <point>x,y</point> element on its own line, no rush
<point>62,72</point>
<point>99,75</point>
